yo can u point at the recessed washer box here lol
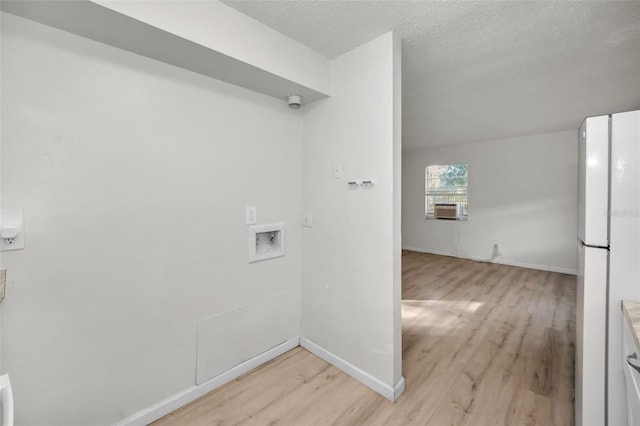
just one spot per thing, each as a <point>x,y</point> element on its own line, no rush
<point>266,242</point>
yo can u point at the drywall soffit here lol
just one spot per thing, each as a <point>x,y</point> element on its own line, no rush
<point>96,22</point>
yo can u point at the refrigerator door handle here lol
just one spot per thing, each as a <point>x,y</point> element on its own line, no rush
<point>633,361</point>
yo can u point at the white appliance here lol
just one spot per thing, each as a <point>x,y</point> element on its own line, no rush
<point>631,368</point>
<point>608,261</point>
<point>447,211</point>
<point>6,401</point>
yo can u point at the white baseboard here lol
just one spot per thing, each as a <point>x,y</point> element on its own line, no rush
<point>499,261</point>
<point>175,401</point>
<point>398,389</point>
<point>391,393</point>
<point>166,406</point>
<point>558,269</point>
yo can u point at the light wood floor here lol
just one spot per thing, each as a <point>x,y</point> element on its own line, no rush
<point>483,344</point>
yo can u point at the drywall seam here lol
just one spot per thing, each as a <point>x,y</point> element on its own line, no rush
<point>499,261</point>
<point>175,401</point>
<point>391,393</point>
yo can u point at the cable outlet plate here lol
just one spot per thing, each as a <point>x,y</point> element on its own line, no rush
<point>307,219</point>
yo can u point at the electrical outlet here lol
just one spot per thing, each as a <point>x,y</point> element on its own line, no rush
<point>11,229</point>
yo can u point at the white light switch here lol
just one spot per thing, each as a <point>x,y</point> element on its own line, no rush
<point>252,215</point>
<point>307,219</point>
<point>337,171</point>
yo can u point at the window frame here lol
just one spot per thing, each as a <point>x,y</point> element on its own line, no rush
<point>452,194</point>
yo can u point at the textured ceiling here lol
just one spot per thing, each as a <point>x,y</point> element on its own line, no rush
<point>481,70</point>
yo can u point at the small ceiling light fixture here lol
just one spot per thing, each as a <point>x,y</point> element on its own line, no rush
<point>294,101</point>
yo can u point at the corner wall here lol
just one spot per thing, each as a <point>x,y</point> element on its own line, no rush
<point>350,273</point>
<point>522,195</point>
<point>134,176</point>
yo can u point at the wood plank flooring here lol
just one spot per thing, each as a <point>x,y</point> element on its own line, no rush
<point>483,344</point>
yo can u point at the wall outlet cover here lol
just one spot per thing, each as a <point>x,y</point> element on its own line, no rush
<point>11,229</point>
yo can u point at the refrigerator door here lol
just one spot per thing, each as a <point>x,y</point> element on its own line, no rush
<point>593,184</point>
<point>591,314</point>
<point>624,256</point>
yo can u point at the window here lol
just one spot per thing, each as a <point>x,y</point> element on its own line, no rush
<point>446,185</point>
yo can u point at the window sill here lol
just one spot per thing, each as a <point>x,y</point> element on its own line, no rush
<point>460,219</point>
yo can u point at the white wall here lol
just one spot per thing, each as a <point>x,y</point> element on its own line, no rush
<point>349,285</point>
<point>522,195</point>
<point>133,176</point>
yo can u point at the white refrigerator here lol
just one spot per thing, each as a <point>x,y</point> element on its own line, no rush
<point>608,262</point>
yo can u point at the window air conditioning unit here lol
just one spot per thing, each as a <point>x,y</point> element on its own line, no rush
<point>447,211</point>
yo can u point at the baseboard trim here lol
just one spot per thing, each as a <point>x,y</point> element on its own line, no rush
<point>507,262</point>
<point>398,389</point>
<point>167,405</point>
<point>391,393</point>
